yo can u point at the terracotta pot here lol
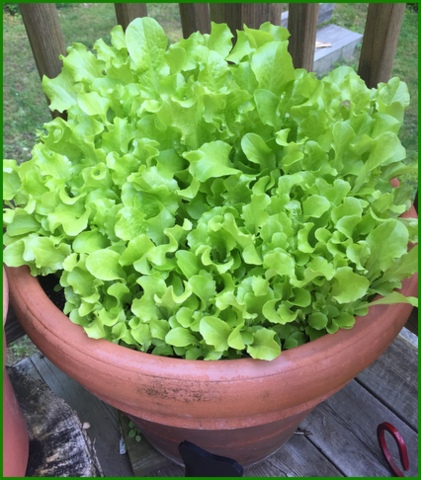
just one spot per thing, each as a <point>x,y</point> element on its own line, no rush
<point>244,409</point>
<point>15,435</point>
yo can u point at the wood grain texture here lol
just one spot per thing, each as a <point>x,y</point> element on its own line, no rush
<point>393,379</point>
<point>344,428</point>
<point>145,460</point>
<point>381,34</point>
<point>45,36</point>
<point>302,25</point>
<point>127,12</point>
<point>59,446</point>
<point>297,458</point>
<point>104,430</point>
<point>194,17</point>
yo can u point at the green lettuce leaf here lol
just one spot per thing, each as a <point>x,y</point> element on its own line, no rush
<point>209,201</point>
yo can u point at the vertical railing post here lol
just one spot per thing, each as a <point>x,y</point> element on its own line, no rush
<point>380,40</point>
<point>45,36</point>
<point>302,25</point>
<point>194,17</point>
<point>127,12</point>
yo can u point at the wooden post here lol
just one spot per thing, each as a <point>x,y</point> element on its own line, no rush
<point>127,12</point>
<point>302,25</point>
<point>46,39</point>
<point>380,39</point>
<point>236,15</point>
<point>194,17</point>
<point>45,36</point>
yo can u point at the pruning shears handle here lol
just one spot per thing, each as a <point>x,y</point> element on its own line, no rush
<point>403,453</point>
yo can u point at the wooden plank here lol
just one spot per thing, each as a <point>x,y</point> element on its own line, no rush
<point>59,446</point>
<point>380,41</point>
<point>393,379</point>
<point>45,36</point>
<point>104,430</point>
<point>194,17</point>
<point>127,12</point>
<point>46,39</point>
<point>302,25</point>
<point>346,432</point>
<point>296,458</point>
<point>236,15</point>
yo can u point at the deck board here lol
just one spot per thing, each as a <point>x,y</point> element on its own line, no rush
<point>346,432</point>
<point>58,443</point>
<point>104,430</point>
<point>391,378</point>
<point>340,434</point>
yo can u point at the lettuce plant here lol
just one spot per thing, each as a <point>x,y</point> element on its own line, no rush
<point>207,201</point>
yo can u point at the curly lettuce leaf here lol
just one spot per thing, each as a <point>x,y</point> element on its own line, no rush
<point>210,201</point>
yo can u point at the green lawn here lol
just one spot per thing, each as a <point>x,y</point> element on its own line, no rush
<point>25,107</point>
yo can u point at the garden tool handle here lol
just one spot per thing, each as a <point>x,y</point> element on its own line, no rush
<point>403,453</point>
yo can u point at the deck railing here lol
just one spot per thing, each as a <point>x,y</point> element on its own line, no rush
<point>378,49</point>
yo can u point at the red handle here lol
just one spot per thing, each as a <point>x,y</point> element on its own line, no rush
<point>403,453</point>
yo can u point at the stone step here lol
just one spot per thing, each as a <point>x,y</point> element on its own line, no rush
<point>325,13</point>
<point>343,43</point>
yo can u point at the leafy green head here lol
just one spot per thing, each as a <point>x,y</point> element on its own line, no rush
<point>209,201</point>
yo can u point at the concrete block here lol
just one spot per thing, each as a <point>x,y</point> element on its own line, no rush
<point>343,43</point>
<point>325,14</point>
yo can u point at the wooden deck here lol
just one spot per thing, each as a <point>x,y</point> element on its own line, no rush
<point>337,439</point>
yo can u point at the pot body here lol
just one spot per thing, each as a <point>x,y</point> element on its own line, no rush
<point>247,445</point>
<point>244,409</point>
<point>15,435</point>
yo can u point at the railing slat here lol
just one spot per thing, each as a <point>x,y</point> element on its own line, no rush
<point>194,17</point>
<point>302,25</point>
<point>45,36</point>
<point>127,12</point>
<point>380,40</point>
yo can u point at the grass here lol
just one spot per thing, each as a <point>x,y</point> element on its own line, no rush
<point>19,349</point>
